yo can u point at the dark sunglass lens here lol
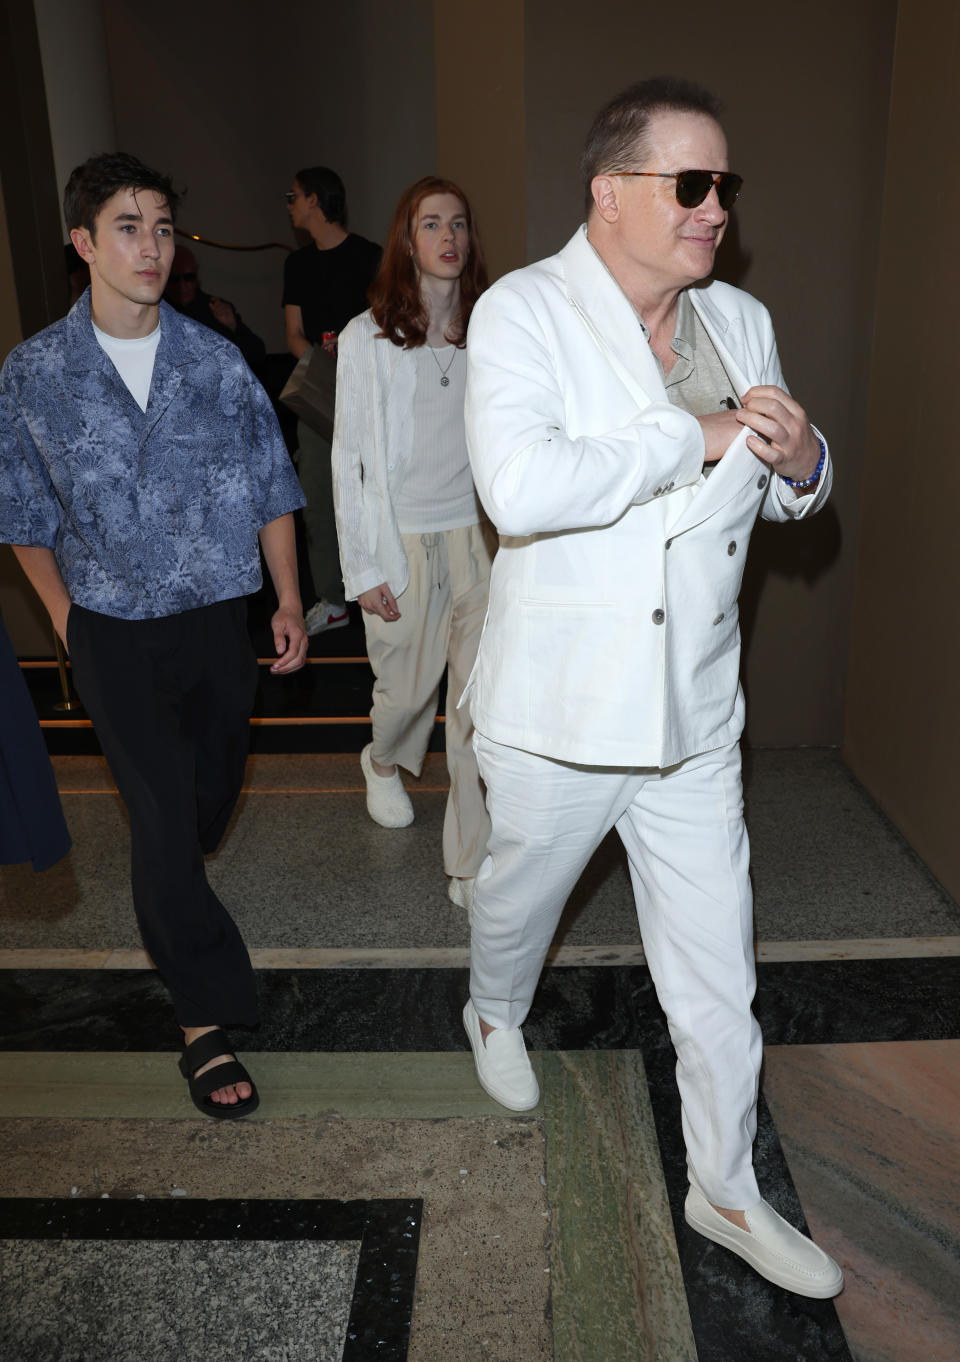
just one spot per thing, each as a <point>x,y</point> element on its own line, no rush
<point>728,187</point>
<point>693,186</point>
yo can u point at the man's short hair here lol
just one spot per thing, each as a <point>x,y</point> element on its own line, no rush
<point>328,187</point>
<point>100,177</point>
<point>618,135</point>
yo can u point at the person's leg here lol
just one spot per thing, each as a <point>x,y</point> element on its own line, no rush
<point>689,861</point>
<point>408,656</point>
<point>689,857</point>
<point>216,714</point>
<point>466,826</point>
<point>133,677</point>
<point>316,478</point>
<point>547,818</point>
<point>215,717</point>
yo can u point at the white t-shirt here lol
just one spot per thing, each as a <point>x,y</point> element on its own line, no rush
<point>133,360</point>
<point>437,492</point>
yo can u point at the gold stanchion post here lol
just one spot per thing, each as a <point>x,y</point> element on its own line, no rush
<point>68,704</point>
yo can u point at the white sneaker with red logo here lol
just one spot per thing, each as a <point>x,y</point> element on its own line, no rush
<point>323,615</point>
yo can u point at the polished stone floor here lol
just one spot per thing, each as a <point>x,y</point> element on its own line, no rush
<point>378,1205</point>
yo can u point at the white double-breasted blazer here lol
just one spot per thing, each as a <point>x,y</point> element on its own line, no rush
<point>612,633</point>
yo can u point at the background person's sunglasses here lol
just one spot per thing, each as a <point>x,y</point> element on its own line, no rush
<point>693,186</point>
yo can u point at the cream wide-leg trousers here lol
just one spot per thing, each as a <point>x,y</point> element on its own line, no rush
<point>687,847</point>
<point>441,619</point>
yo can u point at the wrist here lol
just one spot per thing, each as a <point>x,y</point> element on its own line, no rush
<point>814,476</point>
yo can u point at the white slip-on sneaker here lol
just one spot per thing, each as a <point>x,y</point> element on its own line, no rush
<point>460,891</point>
<point>503,1065</point>
<point>772,1247</point>
<point>387,801</point>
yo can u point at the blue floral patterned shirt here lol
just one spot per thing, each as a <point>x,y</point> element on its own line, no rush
<point>148,513</point>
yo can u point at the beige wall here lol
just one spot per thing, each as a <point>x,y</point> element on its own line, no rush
<point>805,90</point>
<point>75,74</point>
<point>480,69</point>
<point>902,736</point>
<point>232,106</point>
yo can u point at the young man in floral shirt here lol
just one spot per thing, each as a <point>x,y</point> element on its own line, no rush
<point>140,464</point>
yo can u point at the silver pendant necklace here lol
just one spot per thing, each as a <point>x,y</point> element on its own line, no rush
<point>444,381</point>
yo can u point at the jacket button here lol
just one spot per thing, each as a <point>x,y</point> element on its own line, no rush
<point>658,492</point>
<point>658,617</point>
<point>720,618</point>
<point>732,547</point>
<point>762,481</point>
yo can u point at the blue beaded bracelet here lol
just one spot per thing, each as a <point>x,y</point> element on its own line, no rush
<point>808,482</point>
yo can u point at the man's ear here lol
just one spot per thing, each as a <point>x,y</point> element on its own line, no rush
<point>83,244</point>
<point>606,196</point>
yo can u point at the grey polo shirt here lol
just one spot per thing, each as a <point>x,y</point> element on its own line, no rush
<point>698,382</point>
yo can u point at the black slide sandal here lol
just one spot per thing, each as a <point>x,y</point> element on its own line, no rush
<point>200,1052</point>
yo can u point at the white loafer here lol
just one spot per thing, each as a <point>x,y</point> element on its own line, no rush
<point>772,1247</point>
<point>387,801</point>
<point>503,1065</point>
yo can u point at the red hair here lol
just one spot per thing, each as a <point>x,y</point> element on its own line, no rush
<point>395,292</point>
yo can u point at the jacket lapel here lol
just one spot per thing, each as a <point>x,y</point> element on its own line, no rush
<point>90,375</point>
<point>613,324</point>
<point>93,381</point>
<point>171,361</point>
<point>738,467</point>
<point>727,336</point>
<point>609,317</point>
<point>397,374</point>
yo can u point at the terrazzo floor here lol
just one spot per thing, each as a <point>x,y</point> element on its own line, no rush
<point>378,1205</point>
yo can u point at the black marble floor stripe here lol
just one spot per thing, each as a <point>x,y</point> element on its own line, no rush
<point>576,1008</point>
<point>736,1315</point>
<point>388,1232</point>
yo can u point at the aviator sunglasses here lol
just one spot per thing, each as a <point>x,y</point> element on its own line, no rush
<point>693,186</point>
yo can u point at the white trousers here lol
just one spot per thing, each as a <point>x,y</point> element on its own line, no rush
<point>441,618</point>
<point>687,846</point>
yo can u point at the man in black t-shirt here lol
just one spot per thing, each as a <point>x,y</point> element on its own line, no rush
<point>324,285</point>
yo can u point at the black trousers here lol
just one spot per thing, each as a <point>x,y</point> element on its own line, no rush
<point>170,700</point>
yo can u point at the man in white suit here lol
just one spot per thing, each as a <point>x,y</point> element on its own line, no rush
<point>626,426</point>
